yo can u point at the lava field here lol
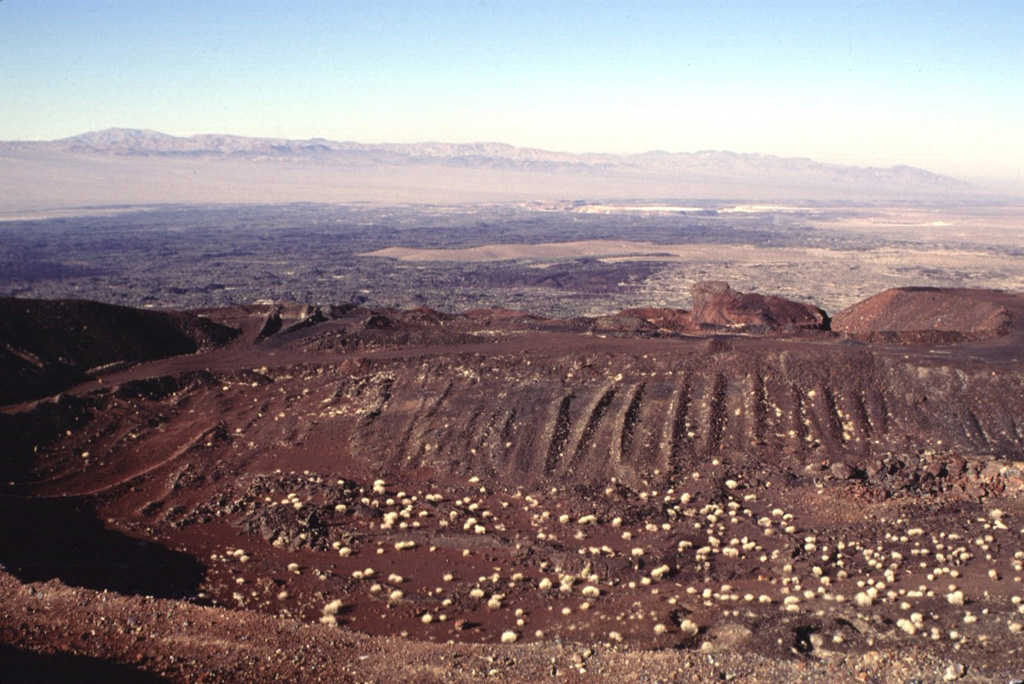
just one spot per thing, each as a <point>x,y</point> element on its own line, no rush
<point>751,488</point>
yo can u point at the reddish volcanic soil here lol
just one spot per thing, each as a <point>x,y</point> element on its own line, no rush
<point>353,495</point>
<point>925,314</point>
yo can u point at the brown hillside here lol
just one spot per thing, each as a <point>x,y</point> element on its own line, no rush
<point>930,314</point>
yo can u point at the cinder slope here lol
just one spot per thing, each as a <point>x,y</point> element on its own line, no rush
<point>49,345</point>
<point>638,496</point>
<point>925,314</point>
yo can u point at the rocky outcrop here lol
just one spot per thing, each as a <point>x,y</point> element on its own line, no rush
<point>716,304</point>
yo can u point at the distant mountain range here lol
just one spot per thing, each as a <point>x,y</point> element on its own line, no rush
<point>119,165</point>
<point>129,141</point>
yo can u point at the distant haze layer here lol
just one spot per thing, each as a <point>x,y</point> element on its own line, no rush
<point>120,167</point>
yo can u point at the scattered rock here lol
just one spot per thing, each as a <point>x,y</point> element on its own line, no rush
<point>841,471</point>
<point>953,672</point>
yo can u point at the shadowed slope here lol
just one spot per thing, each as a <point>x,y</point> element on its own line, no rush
<point>48,345</point>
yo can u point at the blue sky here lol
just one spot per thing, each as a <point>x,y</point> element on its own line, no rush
<point>934,84</point>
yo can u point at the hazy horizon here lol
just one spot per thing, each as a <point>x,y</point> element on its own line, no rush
<point>864,84</point>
